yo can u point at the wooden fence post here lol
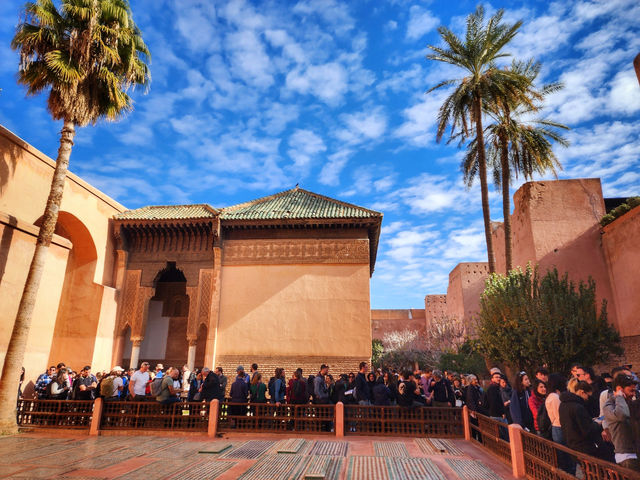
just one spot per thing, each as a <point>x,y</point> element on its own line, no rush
<point>339,420</point>
<point>214,412</point>
<point>96,417</point>
<point>517,452</point>
<point>466,422</point>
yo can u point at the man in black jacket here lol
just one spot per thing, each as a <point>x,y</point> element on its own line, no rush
<point>210,385</point>
<point>363,395</point>
<point>493,400</point>
<point>578,428</point>
<point>441,391</point>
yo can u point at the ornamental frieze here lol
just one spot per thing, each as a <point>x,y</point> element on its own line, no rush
<point>266,252</point>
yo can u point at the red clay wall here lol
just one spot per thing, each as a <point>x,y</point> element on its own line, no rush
<point>620,242</point>
<point>386,321</point>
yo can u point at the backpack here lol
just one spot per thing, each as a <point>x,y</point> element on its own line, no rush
<point>156,386</point>
<point>106,386</point>
<point>297,388</point>
<point>544,422</point>
<point>271,388</point>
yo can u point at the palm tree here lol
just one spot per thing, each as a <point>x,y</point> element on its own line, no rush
<point>484,84</point>
<point>87,55</point>
<point>517,143</point>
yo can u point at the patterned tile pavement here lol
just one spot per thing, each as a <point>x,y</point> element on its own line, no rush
<point>251,457</point>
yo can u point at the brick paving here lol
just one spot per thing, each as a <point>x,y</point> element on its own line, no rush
<point>75,456</point>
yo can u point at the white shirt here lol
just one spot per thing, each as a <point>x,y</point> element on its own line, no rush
<point>117,383</point>
<point>139,380</point>
<point>553,406</point>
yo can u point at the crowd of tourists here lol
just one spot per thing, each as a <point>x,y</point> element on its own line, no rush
<point>595,415</point>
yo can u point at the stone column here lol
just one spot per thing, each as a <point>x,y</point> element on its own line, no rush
<point>135,352</point>
<point>191,355</point>
<point>118,350</point>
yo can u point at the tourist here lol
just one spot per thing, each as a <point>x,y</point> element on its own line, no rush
<point>223,383</point>
<point>371,382</point>
<point>362,394</point>
<point>112,385</point>
<point>586,374</point>
<point>340,389</point>
<point>493,399</point>
<point>84,387</point>
<point>409,394</point>
<point>297,391</point>
<point>58,388</point>
<point>556,386</point>
<point>210,386</point>
<point>442,394</point>
<point>194,387</point>
<point>43,380</point>
<point>138,383</point>
<point>381,394</point>
<point>542,374</point>
<point>331,387</point>
<point>258,389</point>
<point>578,428</point>
<point>186,382</point>
<point>505,394</point>
<point>537,400</point>
<point>244,377</point>
<point>168,392</point>
<point>391,381</point>
<point>618,416</point>
<point>277,386</point>
<point>320,393</point>
<point>158,371</point>
<point>519,405</point>
<point>458,391</point>
<point>253,371</point>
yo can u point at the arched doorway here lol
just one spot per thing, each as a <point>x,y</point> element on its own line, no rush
<point>78,315</point>
<point>165,332</point>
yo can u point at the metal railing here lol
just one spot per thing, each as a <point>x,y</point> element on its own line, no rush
<point>398,421</point>
<point>183,416</point>
<point>493,435</point>
<point>55,413</point>
<point>543,461</point>
<point>283,418</point>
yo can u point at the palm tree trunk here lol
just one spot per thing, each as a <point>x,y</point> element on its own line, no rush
<point>506,203</point>
<point>482,171</point>
<point>17,344</point>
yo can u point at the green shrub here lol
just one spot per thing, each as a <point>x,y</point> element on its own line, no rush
<point>620,210</point>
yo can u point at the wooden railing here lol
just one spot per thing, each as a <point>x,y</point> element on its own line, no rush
<point>283,418</point>
<point>398,421</point>
<point>191,416</point>
<point>541,462</point>
<point>493,435</point>
<point>75,414</point>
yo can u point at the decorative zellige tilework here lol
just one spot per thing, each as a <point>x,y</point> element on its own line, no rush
<point>438,446</point>
<point>413,469</point>
<point>390,449</point>
<point>276,467</point>
<point>249,450</point>
<point>205,471</point>
<point>367,468</point>
<point>157,470</point>
<point>472,470</point>
<point>336,449</point>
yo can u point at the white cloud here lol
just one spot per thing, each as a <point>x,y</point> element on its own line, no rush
<point>420,23</point>
<point>328,82</point>
<point>624,96</point>
<point>419,127</point>
<point>304,145</point>
<point>248,58</point>
<point>330,173</point>
<point>365,126</point>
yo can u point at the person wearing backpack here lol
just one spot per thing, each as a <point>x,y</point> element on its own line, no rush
<point>138,383</point>
<point>84,387</point>
<point>277,386</point>
<point>297,391</point>
<point>168,393</point>
<point>112,385</point>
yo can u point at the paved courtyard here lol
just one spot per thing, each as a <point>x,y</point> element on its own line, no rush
<point>243,456</point>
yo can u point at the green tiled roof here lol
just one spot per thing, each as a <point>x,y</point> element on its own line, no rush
<point>169,212</point>
<point>296,204</point>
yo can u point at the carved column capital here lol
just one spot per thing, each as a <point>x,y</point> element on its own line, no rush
<point>192,340</point>
<point>136,341</point>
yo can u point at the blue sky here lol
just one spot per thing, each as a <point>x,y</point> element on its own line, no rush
<point>250,98</point>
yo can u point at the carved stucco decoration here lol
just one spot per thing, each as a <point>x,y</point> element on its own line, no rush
<point>267,252</point>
